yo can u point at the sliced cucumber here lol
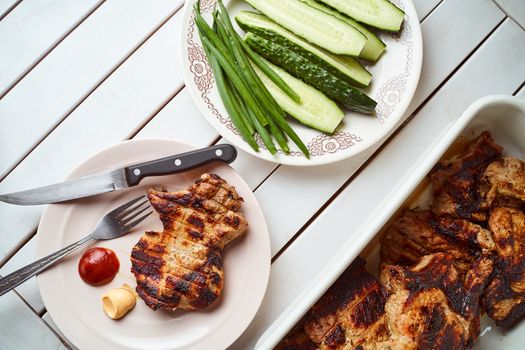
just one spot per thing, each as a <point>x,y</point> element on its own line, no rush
<point>313,25</point>
<point>300,67</point>
<point>315,109</point>
<point>373,48</point>
<point>343,67</point>
<point>381,14</point>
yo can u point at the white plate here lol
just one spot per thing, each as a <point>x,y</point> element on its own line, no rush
<point>76,307</point>
<point>504,116</point>
<point>394,82</point>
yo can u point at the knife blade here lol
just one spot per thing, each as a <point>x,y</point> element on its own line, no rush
<point>118,179</point>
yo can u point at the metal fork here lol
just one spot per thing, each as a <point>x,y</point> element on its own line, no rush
<point>114,224</point>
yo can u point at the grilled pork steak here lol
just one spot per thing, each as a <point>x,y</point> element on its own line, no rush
<point>297,339</point>
<point>426,306</point>
<point>351,313</point>
<point>455,182</point>
<point>505,180</point>
<point>181,267</point>
<point>440,268</point>
<point>416,234</point>
<point>431,306</point>
<point>504,298</point>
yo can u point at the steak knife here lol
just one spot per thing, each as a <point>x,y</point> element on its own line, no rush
<point>118,179</point>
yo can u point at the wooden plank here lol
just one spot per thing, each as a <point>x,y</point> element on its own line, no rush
<point>180,120</point>
<point>29,289</point>
<point>307,189</point>
<point>443,51</point>
<point>47,318</point>
<point>252,169</point>
<point>31,30</point>
<point>463,28</point>
<point>114,112</point>
<point>515,9</point>
<point>6,5</point>
<point>296,269</point>
<point>424,7</point>
<point>21,328</point>
<point>72,70</point>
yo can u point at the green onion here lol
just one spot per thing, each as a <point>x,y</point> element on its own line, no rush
<point>236,81</point>
<point>250,105</point>
<point>251,77</point>
<point>227,99</point>
<point>270,73</point>
<point>227,62</point>
<point>279,136</point>
<point>221,32</point>
<point>254,57</point>
<point>246,66</point>
<point>241,107</point>
<point>265,136</point>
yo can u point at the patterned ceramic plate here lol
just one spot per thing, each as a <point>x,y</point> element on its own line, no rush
<point>394,82</point>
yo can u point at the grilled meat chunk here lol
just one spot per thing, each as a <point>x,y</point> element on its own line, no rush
<point>297,339</point>
<point>416,234</point>
<point>455,182</point>
<point>505,180</point>
<point>427,306</point>
<point>504,299</point>
<point>350,315</point>
<point>181,267</point>
<point>431,306</point>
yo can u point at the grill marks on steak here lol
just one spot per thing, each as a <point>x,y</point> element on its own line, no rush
<point>181,267</point>
<point>297,339</point>
<point>494,197</point>
<point>432,305</point>
<point>351,313</point>
<point>504,299</point>
<point>440,268</point>
<point>426,306</point>
<point>417,234</point>
<point>456,182</point>
<point>437,265</point>
<point>503,183</point>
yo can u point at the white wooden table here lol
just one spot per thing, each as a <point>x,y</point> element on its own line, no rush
<point>77,76</point>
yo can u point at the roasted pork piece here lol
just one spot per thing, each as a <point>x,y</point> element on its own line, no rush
<point>297,339</point>
<point>505,180</point>
<point>456,182</point>
<point>431,306</point>
<point>181,267</point>
<point>427,306</point>
<point>504,298</point>
<point>351,313</point>
<point>440,268</point>
<point>416,234</point>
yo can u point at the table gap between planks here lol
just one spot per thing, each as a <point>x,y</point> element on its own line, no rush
<point>108,88</point>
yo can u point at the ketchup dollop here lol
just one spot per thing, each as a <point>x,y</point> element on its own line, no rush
<point>98,266</point>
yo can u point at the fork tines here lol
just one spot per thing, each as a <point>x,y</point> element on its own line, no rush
<point>130,210</point>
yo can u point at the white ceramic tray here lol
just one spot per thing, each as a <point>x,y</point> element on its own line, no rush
<point>504,116</point>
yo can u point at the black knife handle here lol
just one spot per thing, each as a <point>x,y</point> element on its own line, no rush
<point>179,163</point>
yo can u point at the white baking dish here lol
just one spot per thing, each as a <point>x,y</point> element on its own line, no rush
<point>504,116</point>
